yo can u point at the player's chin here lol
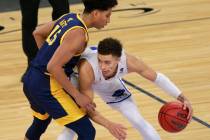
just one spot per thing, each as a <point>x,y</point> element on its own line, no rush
<point>105,74</point>
<point>101,27</point>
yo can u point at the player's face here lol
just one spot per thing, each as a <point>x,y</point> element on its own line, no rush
<point>102,18</point>
<point>108,65</point>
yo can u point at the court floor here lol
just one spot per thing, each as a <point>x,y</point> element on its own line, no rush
<point>172,37</point>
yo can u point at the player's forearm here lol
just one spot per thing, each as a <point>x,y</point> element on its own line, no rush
<point>167,85</point>
<point>117,130</point>
<point>99,119</point>
<point>41,33</point>
<point>59,75</point>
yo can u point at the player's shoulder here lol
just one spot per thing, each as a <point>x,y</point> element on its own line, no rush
<point>85,66</point>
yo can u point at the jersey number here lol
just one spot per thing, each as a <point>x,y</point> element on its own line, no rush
<point>53,35</point>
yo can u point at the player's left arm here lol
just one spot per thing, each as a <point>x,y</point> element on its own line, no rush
<point>86,79</point>
<point>137,65</point>
<point>41,32</point>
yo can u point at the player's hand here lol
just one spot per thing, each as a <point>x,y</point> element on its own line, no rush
<point>187,105</point>
<point>117,130</point>
<point>85,102</point>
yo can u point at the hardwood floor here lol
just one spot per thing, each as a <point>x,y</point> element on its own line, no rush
<point>172,39</point>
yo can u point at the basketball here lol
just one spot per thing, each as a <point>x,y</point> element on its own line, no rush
<point>172,117</point>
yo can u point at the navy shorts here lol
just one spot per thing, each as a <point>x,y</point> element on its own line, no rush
<point>48,98</point>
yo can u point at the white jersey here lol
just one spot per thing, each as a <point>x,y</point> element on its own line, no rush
<point>112,90</point>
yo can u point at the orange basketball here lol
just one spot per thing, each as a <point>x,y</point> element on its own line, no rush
<point>172,117</point>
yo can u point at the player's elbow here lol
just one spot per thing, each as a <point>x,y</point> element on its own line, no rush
<point>38,33</point>
<point>35,33</point>
<point>51,68</point>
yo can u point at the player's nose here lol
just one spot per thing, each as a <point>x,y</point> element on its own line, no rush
<point>103,67</point>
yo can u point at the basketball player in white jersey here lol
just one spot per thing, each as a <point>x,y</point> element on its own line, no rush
<point>101,69</point>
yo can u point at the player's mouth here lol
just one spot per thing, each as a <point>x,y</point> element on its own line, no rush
<point>105,72</point>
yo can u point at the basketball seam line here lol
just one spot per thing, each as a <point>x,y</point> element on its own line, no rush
<point>173,117</point>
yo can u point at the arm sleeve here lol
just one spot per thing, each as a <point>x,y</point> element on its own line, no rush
<point>167,85</point>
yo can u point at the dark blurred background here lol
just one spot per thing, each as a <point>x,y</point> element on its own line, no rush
<point>11,5</point>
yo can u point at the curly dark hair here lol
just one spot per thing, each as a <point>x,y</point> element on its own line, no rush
<point>102,5</point>
<point>110,46</point>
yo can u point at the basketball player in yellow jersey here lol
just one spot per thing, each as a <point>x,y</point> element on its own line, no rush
<point>46,84</point>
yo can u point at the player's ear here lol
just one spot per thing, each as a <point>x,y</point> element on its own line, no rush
<point>95,13</point>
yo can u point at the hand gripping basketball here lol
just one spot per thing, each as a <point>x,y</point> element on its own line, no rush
<point>172,117</point>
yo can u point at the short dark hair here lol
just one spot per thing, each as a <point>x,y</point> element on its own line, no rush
<point>102,5</point>
<point>110,46</point>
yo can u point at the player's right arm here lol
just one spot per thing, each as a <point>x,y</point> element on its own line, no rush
<point>73,43</point>
<point>137,65</point>
<point>86,79</point>
<point>41,32</point>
